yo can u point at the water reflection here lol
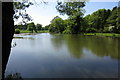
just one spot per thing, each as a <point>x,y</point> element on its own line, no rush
<point>98,45</point>
<point>103,46</point>
<point>57,41</point>
<point>64,56</point>
<point>74,45</point>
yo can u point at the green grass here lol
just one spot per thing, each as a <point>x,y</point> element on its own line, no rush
<point>88,34</point>
<point>26,31</point>
<point>103,34</point>
<point>45,31</point>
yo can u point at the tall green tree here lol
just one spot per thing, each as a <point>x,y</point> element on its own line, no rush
<point>113,19</point>
<point>97,21</point>
<point>21,27</point>
<point>118,19</point>
<point>47,27</point>
<point>57,25</point>
<point>31,27</point>
<point>74,11</point>
<point>38,26</point>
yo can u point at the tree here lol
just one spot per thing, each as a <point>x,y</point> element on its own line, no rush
<point>68,25</point>
<point>113,19</point>
<point>74,11</point>
<point>118,19</point>
<point>43,28</point>
<point>47,27</point>
<point>31,27</point>
<point>56,17</point>
<point>57,25</point>
<point>7,30</point>
<point>97,21</point>
<point>20,11</point>
<point>69,8</point>
<point>38,26</point>
<point>21,27</point>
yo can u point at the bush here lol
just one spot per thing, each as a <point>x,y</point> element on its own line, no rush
<point>17,31</point>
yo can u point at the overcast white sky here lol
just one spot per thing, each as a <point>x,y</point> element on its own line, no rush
<point>43,14</point>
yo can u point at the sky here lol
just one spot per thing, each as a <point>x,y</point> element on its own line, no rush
<point>43,14</point>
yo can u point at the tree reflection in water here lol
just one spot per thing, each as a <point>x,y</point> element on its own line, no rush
<point>99,46</point>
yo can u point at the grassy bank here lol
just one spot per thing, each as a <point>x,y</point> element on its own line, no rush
<point>41,31</point>
<point>87,34</point>
<point>103,34</point>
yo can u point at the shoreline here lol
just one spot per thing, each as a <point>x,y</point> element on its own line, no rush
<point>102,34</point>
<point>84,34</point>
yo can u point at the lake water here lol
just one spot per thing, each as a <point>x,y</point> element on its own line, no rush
<point>47,55</point>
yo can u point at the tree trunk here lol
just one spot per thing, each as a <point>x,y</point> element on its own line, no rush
<point>7,32</point>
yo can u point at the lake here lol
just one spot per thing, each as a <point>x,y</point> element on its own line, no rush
<point>47,55</point>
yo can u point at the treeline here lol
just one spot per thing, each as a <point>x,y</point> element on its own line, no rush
<point>30,27</point>
<point>102,21</point>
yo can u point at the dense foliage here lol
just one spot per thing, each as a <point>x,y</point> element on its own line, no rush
<point>75,12</point>
<point>103,20</point>
<point>29,27</point>
<point>57,25</point>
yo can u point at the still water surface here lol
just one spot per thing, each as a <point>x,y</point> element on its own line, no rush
<point>47,55</point>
